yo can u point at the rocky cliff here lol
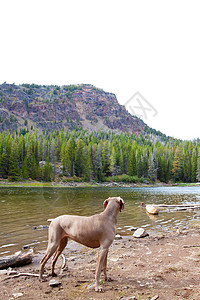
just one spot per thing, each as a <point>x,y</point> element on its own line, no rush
<point>68,107</point>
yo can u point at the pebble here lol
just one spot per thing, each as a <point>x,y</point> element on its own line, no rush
<point>30,245</point>
<point>155,297</point>
<point>40,227</point>
<point>71,258</point>
<point>118,237</point>
<point>54,283</point>
<point>128,298</point>
<point>114,259</point>
<point>132,228</point>
<point>17,295</point>
<point>8,271</point>
<point>3,272</point>
<point>140,233</point>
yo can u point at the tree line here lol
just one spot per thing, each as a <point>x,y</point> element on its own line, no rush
<point>98,156</point>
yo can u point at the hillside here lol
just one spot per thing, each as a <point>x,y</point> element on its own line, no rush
<point>68,107</point>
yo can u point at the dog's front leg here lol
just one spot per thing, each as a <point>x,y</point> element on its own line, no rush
<point>101,259</point>
<point>105,270</point>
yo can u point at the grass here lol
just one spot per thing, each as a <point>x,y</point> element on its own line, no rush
<point>27,184</point>
<point>128,180</point>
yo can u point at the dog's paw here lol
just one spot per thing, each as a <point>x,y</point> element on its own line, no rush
<point>99,289</point>
<point>42,279</point>
<point>108,279</point>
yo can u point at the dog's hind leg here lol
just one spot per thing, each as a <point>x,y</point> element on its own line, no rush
<point>59,250</point>
<point>50,251</point>
<point>53,243</point>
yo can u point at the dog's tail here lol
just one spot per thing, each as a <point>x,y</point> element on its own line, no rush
<point>49,220</point>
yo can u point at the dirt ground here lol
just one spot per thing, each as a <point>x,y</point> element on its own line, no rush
<point>165,267</point>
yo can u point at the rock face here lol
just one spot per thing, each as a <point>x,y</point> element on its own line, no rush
<point>68,107</point>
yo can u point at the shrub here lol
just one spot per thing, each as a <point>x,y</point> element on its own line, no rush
<point>126,178</point>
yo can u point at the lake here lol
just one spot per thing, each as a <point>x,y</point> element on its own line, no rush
<point>23,210</point>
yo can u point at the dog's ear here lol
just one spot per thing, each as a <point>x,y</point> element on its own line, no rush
<point>105,203</point>
<point>121,204</point>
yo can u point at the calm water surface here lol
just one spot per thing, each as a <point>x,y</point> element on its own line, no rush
<point>23,209</point>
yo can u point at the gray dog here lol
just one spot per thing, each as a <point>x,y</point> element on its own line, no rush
<point>95,231</point>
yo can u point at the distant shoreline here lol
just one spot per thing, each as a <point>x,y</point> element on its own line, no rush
<point>92,184</point>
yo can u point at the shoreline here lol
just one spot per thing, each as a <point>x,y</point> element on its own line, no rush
<point>93,184</point>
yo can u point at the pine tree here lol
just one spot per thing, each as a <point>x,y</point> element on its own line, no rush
<point>25,169</point>
<point>194,165</point>
<point>100,175</point>
<point>176,165</point>
<point>4,165</point>
<point>152,168</point>
<point>131,168</point>
<point>69,157</point>
<point>121,162</point>
<point>88,165</point>
<point>79,158</point>
<point>47,171</point>
<point>198,166</point>
<point>14,170</point>
<point>113,168</point>
<point>106,158</point>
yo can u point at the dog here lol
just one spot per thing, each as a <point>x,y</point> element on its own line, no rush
<point>97,231</point>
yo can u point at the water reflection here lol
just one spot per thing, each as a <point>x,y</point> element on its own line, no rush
<point>22,209</point>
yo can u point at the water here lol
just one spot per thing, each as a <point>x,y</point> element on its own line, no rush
<point>24,209</point>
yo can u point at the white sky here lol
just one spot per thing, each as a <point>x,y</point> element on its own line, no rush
<point>124,47</point>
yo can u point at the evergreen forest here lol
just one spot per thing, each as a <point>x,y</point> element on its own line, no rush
<point>99,156</point>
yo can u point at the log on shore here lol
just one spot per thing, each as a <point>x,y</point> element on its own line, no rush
<point>192,206</point>
<point>16,260</point>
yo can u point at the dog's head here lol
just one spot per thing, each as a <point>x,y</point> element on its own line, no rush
<point>119,200</point>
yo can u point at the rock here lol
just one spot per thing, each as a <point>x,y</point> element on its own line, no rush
<point>132,228</point>
<point>3,272</point>
<point>28,246</point>
<point>40,227</point>
<point>114,259</point>
<point>155,297</point>
<point>140,233</point>
<point>118,237</point>
<point>128,298</point>
<point>17,295</point>
<point>152,210</point>
<point>54,283</point>
<point>8,271</point>
<point>71,258</point>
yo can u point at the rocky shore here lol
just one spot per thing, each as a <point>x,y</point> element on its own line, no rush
<point>153,267</point>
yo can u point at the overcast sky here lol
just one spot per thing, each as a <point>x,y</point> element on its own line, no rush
<point>147,52</point>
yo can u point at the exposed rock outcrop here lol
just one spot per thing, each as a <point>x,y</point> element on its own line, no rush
<point>67,107</point>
